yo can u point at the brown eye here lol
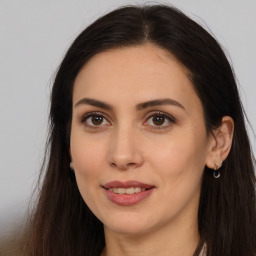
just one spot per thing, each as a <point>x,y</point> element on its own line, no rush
<point>97,120</point>
<point>158,120</point>
<point>94,120</point>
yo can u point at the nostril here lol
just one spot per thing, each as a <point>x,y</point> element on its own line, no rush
<point>130,164</point>
<point>122,166</point>
<point>113,164</point>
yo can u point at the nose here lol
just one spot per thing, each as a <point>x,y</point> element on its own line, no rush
<point>125,150</point>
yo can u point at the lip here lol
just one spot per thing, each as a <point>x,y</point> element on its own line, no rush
<point>127,199</point>
<point>127,184</point>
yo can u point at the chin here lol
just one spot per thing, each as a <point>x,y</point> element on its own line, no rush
<point>129,225</point>
<point>135,230</point>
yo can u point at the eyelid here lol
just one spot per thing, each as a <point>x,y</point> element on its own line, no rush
<point>96,113</point>
<point>169,117</point>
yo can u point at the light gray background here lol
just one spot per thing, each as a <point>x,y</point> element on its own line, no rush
<point>34,36</point>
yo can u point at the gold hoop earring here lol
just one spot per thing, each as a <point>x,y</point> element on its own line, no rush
<point>216,172</point>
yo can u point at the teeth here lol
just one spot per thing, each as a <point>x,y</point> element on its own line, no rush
<point>128,191</point>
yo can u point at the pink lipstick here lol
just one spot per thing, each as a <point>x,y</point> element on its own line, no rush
<point>127,193</point>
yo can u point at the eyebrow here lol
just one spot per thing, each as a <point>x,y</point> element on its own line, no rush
<point>92,102</point>
<point>159,102</point>
<point>140,106</point>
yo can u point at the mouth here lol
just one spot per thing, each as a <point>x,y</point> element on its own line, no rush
<point>127,193</point>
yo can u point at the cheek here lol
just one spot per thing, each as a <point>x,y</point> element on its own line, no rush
<point>179,152</point>
<point>87,154</point>
<point>181,158</point>
<point>179,166</point>
<point>88,157</point>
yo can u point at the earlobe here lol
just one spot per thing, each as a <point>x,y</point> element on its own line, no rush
<point>71,165</point>
<point>220,143</point>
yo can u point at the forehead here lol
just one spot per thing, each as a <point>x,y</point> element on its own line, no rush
<point>137,73</point>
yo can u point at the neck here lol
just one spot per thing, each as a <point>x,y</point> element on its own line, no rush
<point>169,240</point>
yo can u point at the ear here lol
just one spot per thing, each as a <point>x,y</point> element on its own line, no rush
<point>71,163</point>
<point>220,142</point>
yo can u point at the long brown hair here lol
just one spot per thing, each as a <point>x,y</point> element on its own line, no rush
<point>62,224</point>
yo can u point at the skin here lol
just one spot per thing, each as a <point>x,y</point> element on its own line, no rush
<point>130,144</point>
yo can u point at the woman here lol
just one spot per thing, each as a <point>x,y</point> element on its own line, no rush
<point>148,151</point>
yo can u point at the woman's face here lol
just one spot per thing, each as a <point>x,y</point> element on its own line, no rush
<point>138,140</point>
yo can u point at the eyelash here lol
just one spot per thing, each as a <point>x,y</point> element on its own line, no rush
<point>92,114</point>
<point>167,117</point>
